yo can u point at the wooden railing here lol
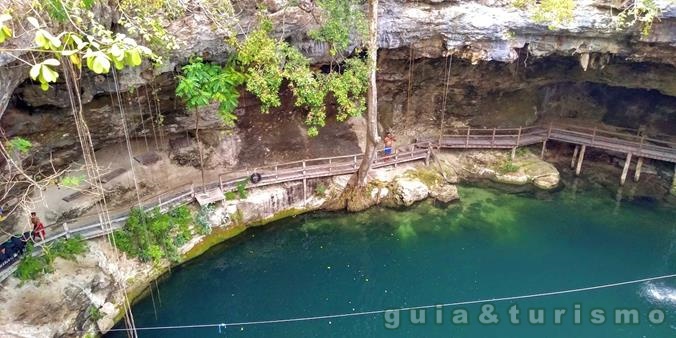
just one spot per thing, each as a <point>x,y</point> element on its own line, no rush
<point>463,138</point>
<point>496,138</point>
<point>325,166</point>
<point>92,227</point>
<point>491,138</point>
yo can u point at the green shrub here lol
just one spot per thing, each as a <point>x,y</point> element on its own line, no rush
<point>520,152</point>
<point>241,189</point>
<point>19,144</point>
<point>69,248</point>
<point>202,219</point>
<point>551,12</point>
<point>32,267</point>
<point>182,217</point>
<point>94,312</point>
<point>508,167</point>
<point>230,195</point>
<point>153,236</point>
<point>320,190</point>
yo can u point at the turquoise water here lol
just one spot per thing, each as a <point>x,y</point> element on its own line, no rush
<point>489,245</point>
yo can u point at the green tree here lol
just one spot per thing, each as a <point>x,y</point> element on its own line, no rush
<point>551,12</point>
<point>340,20</point>
<point>203,83</point>
<point>268,62</point>
<point>372,137</point>
<point>642,13</point>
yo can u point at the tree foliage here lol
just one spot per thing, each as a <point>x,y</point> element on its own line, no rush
<point>639,12</point>
<point>551,12</point>
<point>86,40</point>
<point>33,267</point>
<point>268,62</point>
<point>203,83</point>
<point>145,20</point>
<point>341,19</point>
<point>153,236</point>
<point>5,31</point>
<point>19,144</point>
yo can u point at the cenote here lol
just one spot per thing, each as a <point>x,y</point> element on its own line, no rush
<point>491,244</point>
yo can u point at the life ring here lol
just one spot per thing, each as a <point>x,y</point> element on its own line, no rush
<point>255,178</point>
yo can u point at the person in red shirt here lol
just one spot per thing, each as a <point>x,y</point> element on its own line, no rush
<point>38,227</point>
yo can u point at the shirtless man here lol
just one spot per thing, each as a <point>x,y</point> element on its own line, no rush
<point>38,227</point>
<point>389,143</point>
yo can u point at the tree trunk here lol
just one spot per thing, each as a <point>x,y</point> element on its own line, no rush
<point>372,138</point>
<point>199,146</point>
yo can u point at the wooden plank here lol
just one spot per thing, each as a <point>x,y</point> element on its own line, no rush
<point>111,175</point>
<point>77,194</point>
<point>209,196</point>
<point>148,158</point>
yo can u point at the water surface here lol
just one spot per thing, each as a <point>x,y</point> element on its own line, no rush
<point>489,245</point>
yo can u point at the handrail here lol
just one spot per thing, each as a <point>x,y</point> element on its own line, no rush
<point>507,137</point>
<point>337,165</point>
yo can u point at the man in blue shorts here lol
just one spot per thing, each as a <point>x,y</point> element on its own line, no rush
<point>389,143</point>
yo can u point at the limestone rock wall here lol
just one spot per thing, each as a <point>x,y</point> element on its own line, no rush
<point>506,70</point>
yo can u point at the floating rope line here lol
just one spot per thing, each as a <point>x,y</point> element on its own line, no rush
<point>375,312</point>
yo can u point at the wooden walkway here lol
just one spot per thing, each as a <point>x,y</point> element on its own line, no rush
<point>466,138</point>
<point>641,146</point>
<point>89,227</point>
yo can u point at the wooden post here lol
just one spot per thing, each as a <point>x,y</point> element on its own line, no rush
<point>304,191</point>
<point>65,228</point>
<point>276,172</point>
<point>518,137</point>
<point>354,162</point>
<point>330,165</point>
<point>467,140</point>
<point>513,153</point>
<point>544,148</point>
<point>303,169</point>
<point>220,181</point>
<point>625,170</point>
<point>427,158</point>
<point>572,162</point>
<point>637,173</point>
<point>396,157</point>
<point>579,160</point>
<point>103,227</point>
<point>549,132</point>
<point>593,136</point>
<point>159,203</point>
<point>640,147</point>
<point>493,138</point>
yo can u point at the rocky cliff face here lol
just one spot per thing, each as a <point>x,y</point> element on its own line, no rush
<point>505,70</point>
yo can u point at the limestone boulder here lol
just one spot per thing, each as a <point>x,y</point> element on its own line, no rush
<point>410,190</point>
<point>445,193</point>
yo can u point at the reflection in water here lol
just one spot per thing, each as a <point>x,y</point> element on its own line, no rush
<point>490,244</point>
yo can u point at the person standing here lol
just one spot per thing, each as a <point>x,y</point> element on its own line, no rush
<point>389,143</point>
<point>38,227</point>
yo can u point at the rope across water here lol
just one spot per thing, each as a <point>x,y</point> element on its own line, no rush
<point>375,312</point>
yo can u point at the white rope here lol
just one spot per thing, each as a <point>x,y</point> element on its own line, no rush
<point>374,312</point>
